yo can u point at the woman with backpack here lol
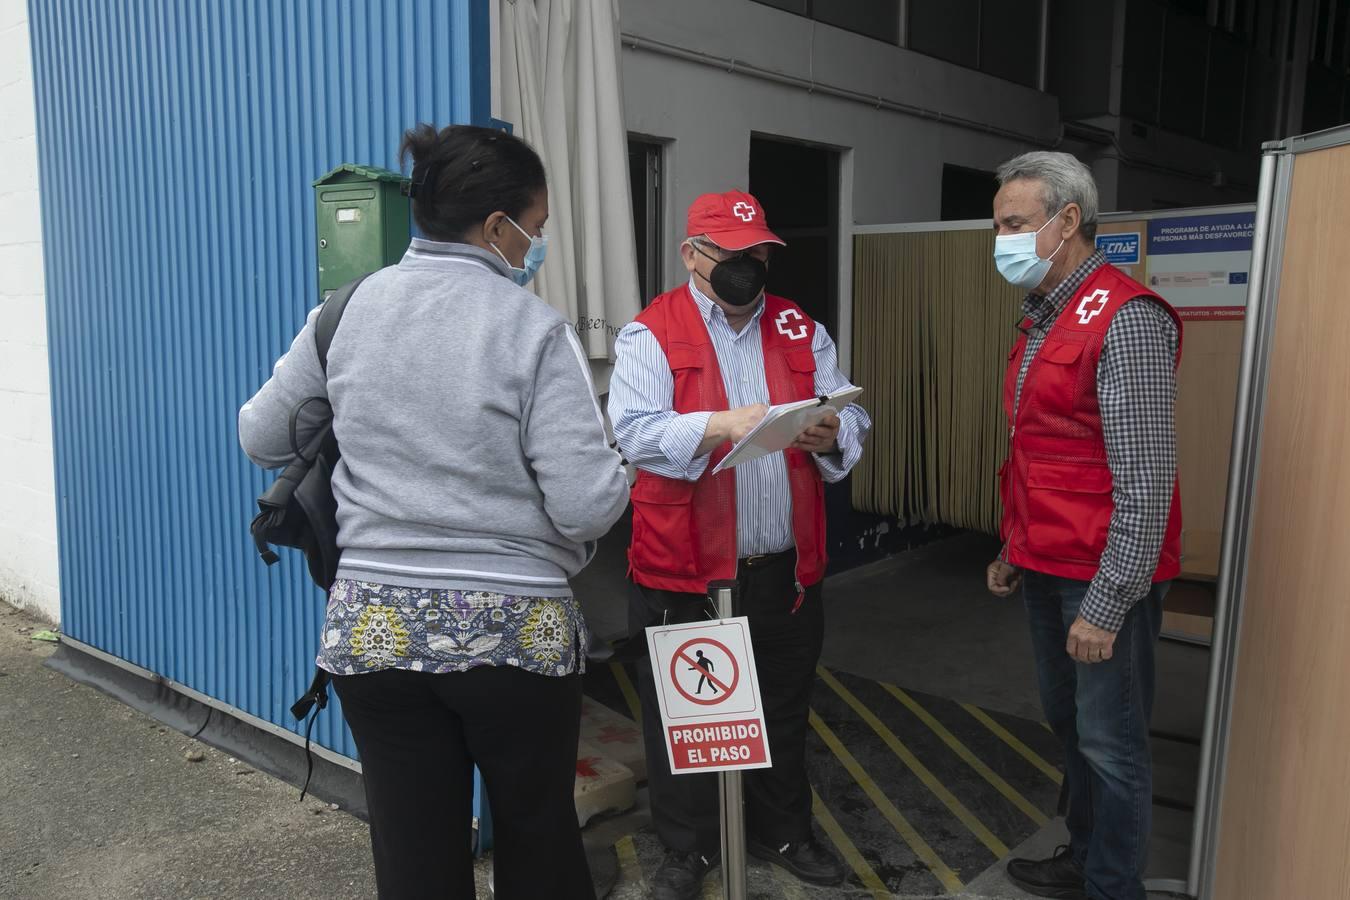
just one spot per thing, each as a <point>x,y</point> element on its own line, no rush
<point>474,479</point>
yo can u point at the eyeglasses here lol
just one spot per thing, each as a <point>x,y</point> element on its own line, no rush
<point>723,255</point>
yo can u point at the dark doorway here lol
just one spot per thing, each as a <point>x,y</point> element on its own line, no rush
<point>967,193</point>
<point>798,185</point>
<point>645,159</point>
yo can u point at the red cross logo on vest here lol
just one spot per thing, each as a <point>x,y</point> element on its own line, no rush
<point>744,211</point>
<point>799,332</point>
<point>1091,306</point>
<point>1057,488</point>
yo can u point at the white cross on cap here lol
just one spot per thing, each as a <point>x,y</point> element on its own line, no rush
<point>744,211</point>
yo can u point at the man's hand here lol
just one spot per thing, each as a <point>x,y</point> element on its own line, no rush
<point>819,438</point>
<point>730,425</point>
<point>1002,579</point>
<point>1089,644</point>
<point>736,423</point>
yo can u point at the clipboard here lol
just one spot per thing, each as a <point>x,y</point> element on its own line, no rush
<point>782,423</point>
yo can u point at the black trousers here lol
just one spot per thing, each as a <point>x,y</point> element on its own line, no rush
<point>787,647</point>
<point>419,736</point>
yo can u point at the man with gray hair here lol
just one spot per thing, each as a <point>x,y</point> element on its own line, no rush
<point>1091,512</point>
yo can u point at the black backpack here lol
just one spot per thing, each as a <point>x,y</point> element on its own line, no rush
<point>299,509</point>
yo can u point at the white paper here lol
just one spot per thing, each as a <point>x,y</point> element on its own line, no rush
<point>781,425</point>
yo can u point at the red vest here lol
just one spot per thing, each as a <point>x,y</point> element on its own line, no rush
<point>684,533</point>
<point>1056,486</point>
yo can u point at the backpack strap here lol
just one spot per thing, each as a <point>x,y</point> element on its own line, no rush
<point>274,502</point>
<point>315,697</point>
<point>330,316</point>
<point>309,706</point>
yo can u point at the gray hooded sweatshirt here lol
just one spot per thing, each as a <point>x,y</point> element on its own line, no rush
<point>474,456</point>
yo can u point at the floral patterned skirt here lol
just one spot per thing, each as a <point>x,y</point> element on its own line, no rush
<point>370,626</point>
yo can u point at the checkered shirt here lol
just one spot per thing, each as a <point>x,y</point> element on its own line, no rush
<point>1136,389</point>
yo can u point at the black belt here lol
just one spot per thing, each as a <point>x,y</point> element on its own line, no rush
<point>764,559</point>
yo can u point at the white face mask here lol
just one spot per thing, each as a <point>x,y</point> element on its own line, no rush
<point>534,257</point>
<point>1017,259</point>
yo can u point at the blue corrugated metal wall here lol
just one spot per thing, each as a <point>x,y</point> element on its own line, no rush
<point>177,142</point>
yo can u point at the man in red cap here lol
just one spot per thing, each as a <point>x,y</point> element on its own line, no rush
<point>694,373</point>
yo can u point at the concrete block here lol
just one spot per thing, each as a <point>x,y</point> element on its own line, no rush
<point>20,216</point>
<point>39,557</point>
<point>16,62</point>
<point>23,320</point>
<point>17,107</point>
<point>37,411</point>
<point>28,561</point>
<point>33,507</point>
<point>15,414</point>
<point>25,417</point>
<point>18,156</point>
<point>25,462</point>
<point>23,367</point>
<point>22,265</point>
<point>14,14</point>
<point>618,736</point>
<point>603,784</point>
<point>29,573</point>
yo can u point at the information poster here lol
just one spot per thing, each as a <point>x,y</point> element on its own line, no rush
<point>1124,246</point>
<point>1200,264</point>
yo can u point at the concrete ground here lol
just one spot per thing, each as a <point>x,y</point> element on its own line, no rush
<point>934,597</point>
<point>99,801</point>
<point>925,621</point>
<point>945,634</point>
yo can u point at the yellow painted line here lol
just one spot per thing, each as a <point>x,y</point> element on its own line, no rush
<point>968,756</point>
<point>847,849</point>
<point>630,693</point>
<point>1022,749</point>
<point>883,803</point>
<point>630,870</point>
<point>922,772</point>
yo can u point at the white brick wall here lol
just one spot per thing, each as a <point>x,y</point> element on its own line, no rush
<point>28,569</point>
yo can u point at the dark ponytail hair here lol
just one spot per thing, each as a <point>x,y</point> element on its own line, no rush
<point>462,174</point>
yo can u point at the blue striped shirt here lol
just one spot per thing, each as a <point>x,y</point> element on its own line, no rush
<point>657,439</point>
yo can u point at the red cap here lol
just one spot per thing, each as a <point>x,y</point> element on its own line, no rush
<point>732,221</point>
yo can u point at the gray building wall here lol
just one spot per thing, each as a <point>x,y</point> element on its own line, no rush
<point>707,75</point>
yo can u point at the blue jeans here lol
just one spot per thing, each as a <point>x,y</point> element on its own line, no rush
<point>1101,712</point>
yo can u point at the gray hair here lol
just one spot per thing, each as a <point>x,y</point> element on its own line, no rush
<point>1063,179</point>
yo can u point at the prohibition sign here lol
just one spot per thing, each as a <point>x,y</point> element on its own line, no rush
<point>681,655</point>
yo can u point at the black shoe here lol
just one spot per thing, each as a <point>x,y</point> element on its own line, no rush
<point>681,875</point>
<point>1058,877</point>
<point>809,860</point>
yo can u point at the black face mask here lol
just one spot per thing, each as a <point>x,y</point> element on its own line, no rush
<point>738,281</point>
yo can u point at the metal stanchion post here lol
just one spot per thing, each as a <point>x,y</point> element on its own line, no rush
<point>722,596</point>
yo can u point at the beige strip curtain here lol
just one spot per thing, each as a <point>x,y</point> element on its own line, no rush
<point>933,323</point>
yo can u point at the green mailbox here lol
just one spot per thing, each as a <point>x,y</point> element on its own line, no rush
<point>363,223</point>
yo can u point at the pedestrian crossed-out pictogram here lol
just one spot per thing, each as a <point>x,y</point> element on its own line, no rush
<point>704,671</point>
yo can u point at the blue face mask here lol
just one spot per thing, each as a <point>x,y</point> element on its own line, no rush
<point>534,257</point>
<point>1017,260</point>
